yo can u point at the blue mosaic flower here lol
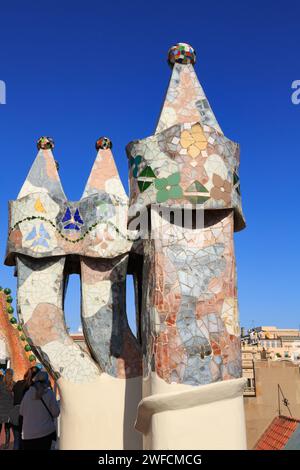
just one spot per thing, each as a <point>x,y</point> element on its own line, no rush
<point>39,238</point>
<point>72,222</point>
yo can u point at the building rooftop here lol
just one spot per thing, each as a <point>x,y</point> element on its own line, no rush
<point>282,434</point>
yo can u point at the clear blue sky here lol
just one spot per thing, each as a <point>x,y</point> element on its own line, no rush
<point>76,70</point>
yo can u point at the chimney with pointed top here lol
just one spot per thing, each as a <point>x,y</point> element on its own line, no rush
<point>189,315</point>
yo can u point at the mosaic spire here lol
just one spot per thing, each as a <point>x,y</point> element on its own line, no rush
<point>188,160</point>
<point>43,175</point>
<point>104,175</point>
<point>185,100</point>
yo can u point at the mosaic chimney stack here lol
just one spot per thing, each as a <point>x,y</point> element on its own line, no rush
<point>49,239</point>
<point>177,385</point>
<point>185,177</point>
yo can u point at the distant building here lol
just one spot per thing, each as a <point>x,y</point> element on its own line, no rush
<point>277,343</point>
<point>270,362</point>
<point>250,353</point>
<point>267,343</point>
<point>80,340</point>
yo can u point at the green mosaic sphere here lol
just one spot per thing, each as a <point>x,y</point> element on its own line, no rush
<point>13,320</point>
<point>7,291</point>
<point>27,348</point>
<point>10,309</point>
<point>20,327</point>
<point>9,299</point>
<point>32,358</point>
<point>22,337</point>
<point>45,143</point>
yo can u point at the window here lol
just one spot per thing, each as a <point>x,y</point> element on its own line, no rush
<point>130,302</point>
<point>72,304</point>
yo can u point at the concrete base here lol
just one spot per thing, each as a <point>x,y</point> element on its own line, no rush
<point>99,414</point>
<point>206,417</point>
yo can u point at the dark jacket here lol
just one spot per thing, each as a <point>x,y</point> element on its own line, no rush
<point>19,390</point>
<point>6,403</point>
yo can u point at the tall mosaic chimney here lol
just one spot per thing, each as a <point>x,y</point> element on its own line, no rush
<point>185,177</point>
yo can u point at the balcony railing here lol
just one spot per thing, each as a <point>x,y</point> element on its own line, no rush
<point>249,392</point>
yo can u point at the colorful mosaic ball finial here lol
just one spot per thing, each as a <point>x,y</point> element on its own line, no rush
<point>182,53</point>
<point>45,143</point>
<point>103,143</point>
